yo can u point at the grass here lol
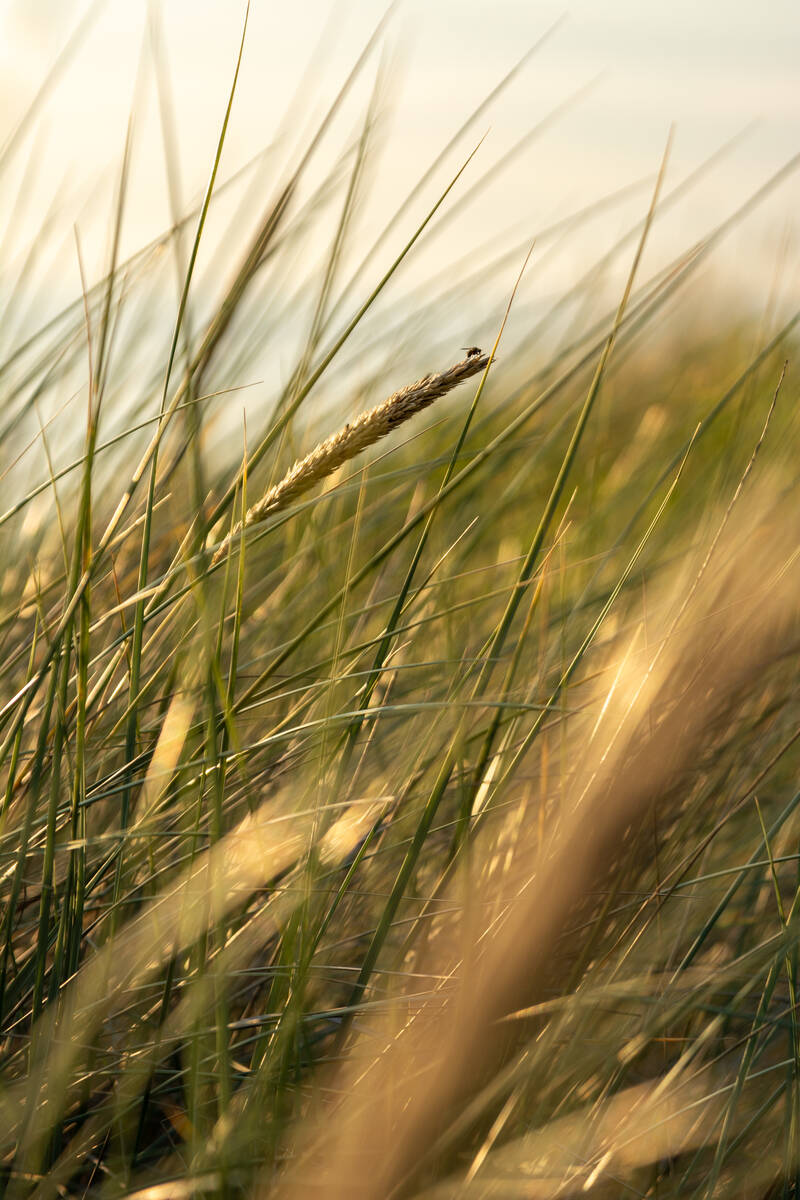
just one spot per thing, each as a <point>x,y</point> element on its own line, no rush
<point>417,820</point>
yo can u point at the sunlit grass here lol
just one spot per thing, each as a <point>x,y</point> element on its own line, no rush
<point>433,831</point>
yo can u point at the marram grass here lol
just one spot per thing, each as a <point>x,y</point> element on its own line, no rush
<point>445,843</point>
<point>354,437</point>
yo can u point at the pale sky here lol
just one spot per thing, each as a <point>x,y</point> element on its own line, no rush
<point>712,67</point>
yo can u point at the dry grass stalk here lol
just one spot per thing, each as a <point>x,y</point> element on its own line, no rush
<point>355,436</point>
<point>396,1105</point>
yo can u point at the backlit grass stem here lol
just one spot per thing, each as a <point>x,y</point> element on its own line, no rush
<point>355,436</point>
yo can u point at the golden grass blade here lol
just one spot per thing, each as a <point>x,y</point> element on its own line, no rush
<point>403,1099</point>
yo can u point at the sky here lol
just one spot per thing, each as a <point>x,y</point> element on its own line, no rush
<point>622,73</point>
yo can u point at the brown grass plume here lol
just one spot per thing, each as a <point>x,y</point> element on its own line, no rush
<point>355,436</point>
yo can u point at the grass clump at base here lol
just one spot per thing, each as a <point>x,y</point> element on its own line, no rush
<point>430,833</point>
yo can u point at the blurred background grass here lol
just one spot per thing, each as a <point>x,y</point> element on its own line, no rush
<point>242,806</point>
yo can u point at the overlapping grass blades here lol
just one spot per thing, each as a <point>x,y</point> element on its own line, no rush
<point>432,832</point>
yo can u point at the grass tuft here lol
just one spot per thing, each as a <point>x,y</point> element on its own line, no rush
<point>433,834</point>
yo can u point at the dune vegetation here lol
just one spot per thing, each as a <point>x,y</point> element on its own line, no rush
<point>399,790</point>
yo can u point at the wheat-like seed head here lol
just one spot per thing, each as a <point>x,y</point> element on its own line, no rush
<point>355,436</point>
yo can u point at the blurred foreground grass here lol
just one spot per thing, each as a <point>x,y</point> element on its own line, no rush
<point>442,837</point>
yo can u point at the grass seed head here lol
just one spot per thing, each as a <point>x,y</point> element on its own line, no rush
<point>357,435</point>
